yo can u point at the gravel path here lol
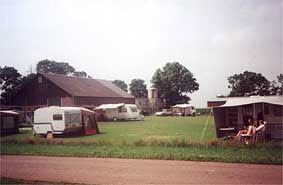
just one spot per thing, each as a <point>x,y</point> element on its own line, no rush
<point>132,171</point>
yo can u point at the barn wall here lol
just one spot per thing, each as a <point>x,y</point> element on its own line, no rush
<point>96,101</point>
<point>215,103</point>
<point>67,101</point>
<point>37,92</point>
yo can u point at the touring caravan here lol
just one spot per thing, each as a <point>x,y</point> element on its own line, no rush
<point>118,111</point>
<point>60,120</point>
<point>184,110</point>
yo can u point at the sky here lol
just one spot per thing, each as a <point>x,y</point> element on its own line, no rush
<point>128,39</point>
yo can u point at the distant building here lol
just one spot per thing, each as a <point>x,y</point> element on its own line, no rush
<point>144,105</point>
<point>60,90</point>
<point>156,102</point>
<point>216,102</point>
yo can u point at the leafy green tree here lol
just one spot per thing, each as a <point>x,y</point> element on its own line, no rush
<point>48,66</point>
<point>248,84</point>
<point>10,83</point>
<point>138,88</point>
<point>121,84</point>
<point>174,82</point>
<point>277,86</point>
<point>81,74</point>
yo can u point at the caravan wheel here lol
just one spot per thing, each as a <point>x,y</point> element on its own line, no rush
<point>114,119</point>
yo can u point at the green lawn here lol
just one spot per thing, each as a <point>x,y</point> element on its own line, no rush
<point>152,128</point>
<point>173,138</point>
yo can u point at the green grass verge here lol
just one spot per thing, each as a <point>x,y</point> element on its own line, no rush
<point>6,180</point>
<point>267,154</point>
<point>174,138</point>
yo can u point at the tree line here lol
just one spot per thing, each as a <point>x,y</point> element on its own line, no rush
<point>174,82</point>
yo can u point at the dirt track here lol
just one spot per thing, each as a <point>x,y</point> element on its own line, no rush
<point>130,171</point>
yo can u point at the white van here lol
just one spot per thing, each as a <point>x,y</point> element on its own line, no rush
<point>119,111</point>
<point>59,120</point>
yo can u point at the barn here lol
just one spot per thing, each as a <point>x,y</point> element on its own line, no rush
<point>234,114</point>
<point>60,90</point>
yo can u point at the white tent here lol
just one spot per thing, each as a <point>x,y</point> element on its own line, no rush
<point>110,106</point>
<point>276,100</point>
<point>185,105</point>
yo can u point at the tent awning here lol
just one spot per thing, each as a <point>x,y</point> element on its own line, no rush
<point>277,100</point>
<point>182,106</point>
<point>110,106</point>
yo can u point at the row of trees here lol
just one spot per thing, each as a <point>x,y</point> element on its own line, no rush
<point>251,83</point>
<point>137,87</point>
<point>174,82</point>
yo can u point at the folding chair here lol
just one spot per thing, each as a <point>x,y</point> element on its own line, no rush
<point>259,135</point>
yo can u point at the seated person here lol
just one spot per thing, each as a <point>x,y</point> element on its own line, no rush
<point>261,126</point>
<point>245,129</point>
<point>255,128</point>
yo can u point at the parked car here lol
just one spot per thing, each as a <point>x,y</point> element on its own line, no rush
<point>164,112</point>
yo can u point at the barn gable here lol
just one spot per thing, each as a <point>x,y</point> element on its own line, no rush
<point>53,89</point>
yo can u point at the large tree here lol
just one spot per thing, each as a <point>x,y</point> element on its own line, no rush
<point>81,74</point>
<point>174,81</point>
<point>121,84</point>
<point>277,86</point>
<point>11,82</point>
<point>138,88</point>
<point>49,66</point>
<point>248,84</point>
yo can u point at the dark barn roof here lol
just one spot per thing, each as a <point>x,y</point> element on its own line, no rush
<point>86,87</point>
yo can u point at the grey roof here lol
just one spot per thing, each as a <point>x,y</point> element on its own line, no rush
<point>87,87</point>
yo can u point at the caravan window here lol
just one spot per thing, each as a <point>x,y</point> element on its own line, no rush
<point>57,117</point>
<point>134,109</point>
<point>73,118</point>
<point>122,109</point>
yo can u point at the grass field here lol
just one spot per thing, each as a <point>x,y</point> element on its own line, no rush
<point>151,129</point>
<point>172,138</point>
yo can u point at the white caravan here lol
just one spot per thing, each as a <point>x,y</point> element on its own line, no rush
<point>118,111</point>
<point>59,120</point>
<point>183,110</point>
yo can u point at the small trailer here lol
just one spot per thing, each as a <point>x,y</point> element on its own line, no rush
<point>118,111</point>
<point>9,122</point>
<point>61,120</point>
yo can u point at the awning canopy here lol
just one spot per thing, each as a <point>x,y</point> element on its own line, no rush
<point>8,112</point>
<point>110,106</point>
<point>182,105</point>
<point>231,102</point>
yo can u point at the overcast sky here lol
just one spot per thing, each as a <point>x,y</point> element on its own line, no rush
<point>127,39</point>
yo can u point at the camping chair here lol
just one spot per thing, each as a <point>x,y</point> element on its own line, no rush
<point>260,134</point>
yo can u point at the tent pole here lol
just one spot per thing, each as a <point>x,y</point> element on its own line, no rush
<point>254,112</point>
<point>263,111</point>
